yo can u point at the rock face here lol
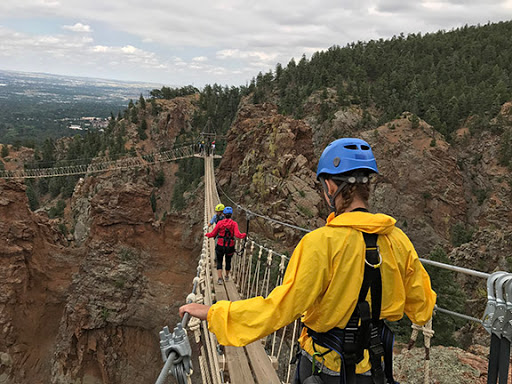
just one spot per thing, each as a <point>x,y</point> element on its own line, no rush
<point>268,166</point>
<point>420,184</point>
<point>88,308</point>
<point>91,313</point>
<point>429,185</point>
<point>35,275</point>
<point>270,163</point>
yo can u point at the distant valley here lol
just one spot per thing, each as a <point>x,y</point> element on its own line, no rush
<point>36,106</point>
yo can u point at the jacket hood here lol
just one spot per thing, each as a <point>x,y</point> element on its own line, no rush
<point>363,221</point>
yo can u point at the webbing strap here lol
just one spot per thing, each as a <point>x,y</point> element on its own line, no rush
<point>388,338</point>
<point>370,333</point>
<point>492,374</point>
<point>504,360</point>
<point>373,282</point>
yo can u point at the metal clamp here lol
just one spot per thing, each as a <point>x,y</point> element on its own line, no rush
<point>177,347</point>
<point>490,309</point>
<point>498,319</point>
<point>506,331</point>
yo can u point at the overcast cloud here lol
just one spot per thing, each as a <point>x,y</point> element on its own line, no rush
<point>197,42</point>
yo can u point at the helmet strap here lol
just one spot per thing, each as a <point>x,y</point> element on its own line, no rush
<point>332,198</point>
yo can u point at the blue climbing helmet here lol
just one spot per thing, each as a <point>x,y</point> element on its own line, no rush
<point>228,211</point>
<point>345,155</point>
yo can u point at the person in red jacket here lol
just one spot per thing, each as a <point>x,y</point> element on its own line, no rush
<point>225,230</point>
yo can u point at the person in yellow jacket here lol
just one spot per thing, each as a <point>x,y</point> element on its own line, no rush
<point>324,276</point>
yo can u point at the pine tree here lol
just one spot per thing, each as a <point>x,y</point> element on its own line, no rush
<point>153,201</point>
<point>33,202</point>
<point>142,102</point>
<point>134,116</point>
<point>5,151</point>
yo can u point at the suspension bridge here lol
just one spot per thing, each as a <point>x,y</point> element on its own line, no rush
<point>256,271</point>
<point>102,165</point>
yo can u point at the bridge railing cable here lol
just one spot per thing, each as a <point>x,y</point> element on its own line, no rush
<point>101,165</point>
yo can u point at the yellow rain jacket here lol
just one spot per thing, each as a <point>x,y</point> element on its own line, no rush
<point>322,283</point>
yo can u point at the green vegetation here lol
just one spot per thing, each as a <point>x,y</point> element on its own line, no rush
<point>440,77</point>
<point>5,151</point>
<point>187,178</point>
<point>126,254</point>
<point>152,199</point>
<point>63,229</point>
<point>57,210</point>
<point>120,282</point>
<point>305,211</point>
<point>159,178</point>
<point>461,234</point>
<point>33,201</point>
<point>171,93</point>
<point>141,130</point>
<point>105,313</point>
<point>481,195</point>
<point>142,102</point>
<point>505,151</point>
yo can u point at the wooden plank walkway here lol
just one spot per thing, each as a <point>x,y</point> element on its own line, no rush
<point>260,363</point>
<point>250,364</point>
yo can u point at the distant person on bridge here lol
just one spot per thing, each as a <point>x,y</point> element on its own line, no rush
<point>213,148</point>
<point>218,216</point>
<point>225,230</point>
<point>328,279</point>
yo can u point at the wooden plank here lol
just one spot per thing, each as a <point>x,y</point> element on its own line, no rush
<point>238,366</point>
<point>261,365</point>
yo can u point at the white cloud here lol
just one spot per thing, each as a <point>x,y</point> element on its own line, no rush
<point>434,5</point>
<point>240,54</point>
<point>129,49</point>
<point>100,48</point>
<point>78,27</point>
<point>224,38</point>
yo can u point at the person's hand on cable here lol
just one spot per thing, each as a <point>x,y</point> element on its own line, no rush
<point>196,310</point>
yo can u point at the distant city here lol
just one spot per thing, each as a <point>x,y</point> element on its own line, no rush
<point>36,106</point>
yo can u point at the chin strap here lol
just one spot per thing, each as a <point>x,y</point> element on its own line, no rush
<point>332,198</point>
<point>361,178</point>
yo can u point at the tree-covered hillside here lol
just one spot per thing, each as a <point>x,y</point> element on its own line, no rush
<point>442,77</point>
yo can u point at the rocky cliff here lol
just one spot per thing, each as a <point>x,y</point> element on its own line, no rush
<point>87,308</point>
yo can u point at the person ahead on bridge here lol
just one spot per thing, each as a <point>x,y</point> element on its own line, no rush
<point>218,216</point>
<point>225,231</point>
<point>324,279</point>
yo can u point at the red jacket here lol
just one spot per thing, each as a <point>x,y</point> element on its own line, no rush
<point>220,230</point>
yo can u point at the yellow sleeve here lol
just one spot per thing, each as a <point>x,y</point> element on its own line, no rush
<point>420,298</point>
<point>241,322</point>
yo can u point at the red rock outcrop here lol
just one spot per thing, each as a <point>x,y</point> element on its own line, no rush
<point>35,272</point>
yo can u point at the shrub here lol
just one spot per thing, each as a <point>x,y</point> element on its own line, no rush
<point>460,234</point>
<point>57,210</point>
<point>159,179</point>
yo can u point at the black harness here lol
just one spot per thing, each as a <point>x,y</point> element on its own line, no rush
<point>364,330</point>
<point>499,360</point>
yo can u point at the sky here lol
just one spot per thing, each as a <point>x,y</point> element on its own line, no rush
<point>198,42</point>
